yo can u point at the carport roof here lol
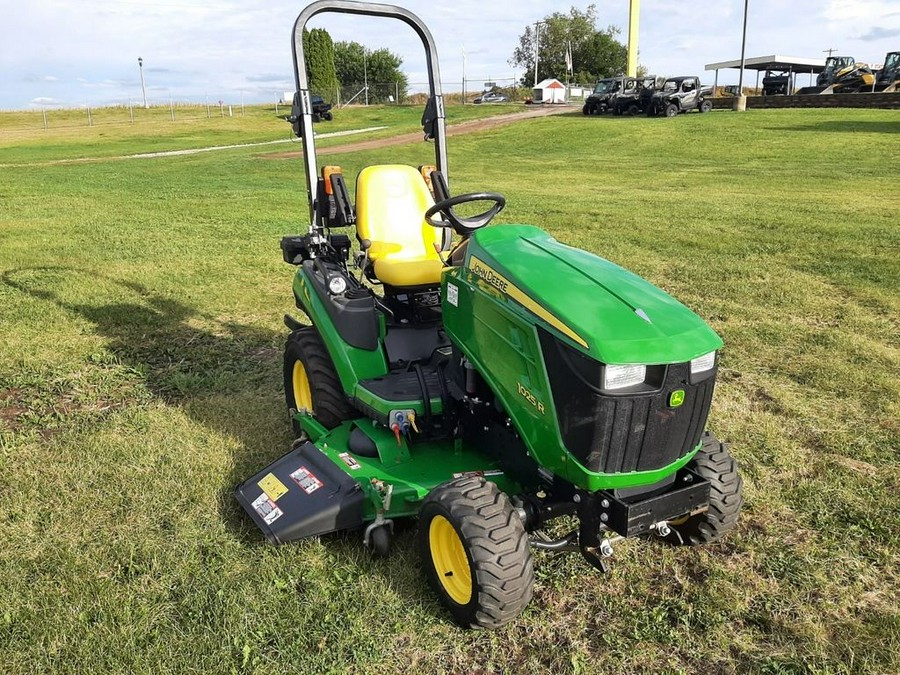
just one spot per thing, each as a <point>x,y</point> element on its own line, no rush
<point>774,62</point>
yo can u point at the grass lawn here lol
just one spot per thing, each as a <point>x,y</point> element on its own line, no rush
<point>140,379</point>
<point>23,139</point>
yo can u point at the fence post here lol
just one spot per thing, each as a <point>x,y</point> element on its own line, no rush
<point>172,108</point>
<point>131,110</point>
<point>44,111</point>
<point>90,119</point>
<point>242,104</point>
<point>208,116</point>
<point>397,92</point>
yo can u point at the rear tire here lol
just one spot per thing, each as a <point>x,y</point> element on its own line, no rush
<point>310,380</point>
<point>706,106</point>
<point>714,463</point>
<point>328,116</point>
<point>634,110</point>
<point>475,552</point>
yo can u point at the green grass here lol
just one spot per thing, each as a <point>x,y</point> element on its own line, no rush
<point>23,139</point>
<point>141,308</point>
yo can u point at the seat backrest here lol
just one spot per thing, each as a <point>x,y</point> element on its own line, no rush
<point>391,200</point>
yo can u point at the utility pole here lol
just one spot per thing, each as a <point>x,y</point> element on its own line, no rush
<point>740,101</point>
<point>829,51</point>
<point>537,49</point>
<point>143,88</point>
<point>634,14</point>
<point>366,72</point>
<point>464,76</point>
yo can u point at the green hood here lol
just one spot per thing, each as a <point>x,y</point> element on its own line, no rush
<point>610,313</point>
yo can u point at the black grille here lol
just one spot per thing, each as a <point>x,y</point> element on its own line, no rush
<point>625,432</point>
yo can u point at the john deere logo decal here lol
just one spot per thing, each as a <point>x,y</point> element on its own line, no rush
<point>676,398</point>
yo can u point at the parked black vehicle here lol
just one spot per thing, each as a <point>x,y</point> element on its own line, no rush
<point>599,101</point>
<point>320,111</point>
<point>635,94</point>
<point>889,75</point>
<point>678,95</point>
<point>777,83</point>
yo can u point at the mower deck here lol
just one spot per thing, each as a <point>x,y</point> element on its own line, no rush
<point>345,489</point>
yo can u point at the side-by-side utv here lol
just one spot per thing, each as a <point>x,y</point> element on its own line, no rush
<point>486,383</point>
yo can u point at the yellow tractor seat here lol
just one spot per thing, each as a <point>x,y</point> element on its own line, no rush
<point>391,200</point>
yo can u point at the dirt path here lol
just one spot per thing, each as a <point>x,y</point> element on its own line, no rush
<point>468,127</point>
<point>452,130</point>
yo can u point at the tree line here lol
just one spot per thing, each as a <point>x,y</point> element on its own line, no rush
<point>592,53</point>
<point>335,66</point>
<point>566,44</point>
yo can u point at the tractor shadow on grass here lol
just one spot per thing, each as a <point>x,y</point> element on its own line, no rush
<point>223,375</point>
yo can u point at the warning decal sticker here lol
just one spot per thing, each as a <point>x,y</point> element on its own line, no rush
<point>267,509</point>
<point>273,487</point>
<point>306,480</point>
<point>349,461</point>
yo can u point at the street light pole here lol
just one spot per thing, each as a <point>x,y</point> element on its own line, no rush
<point>537,49</point>
<point>740,101</point>
<point>464,76</point>
<point>366,73</point>
<point>143,88</point>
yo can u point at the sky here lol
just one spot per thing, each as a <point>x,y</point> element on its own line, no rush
<point>67,53</point>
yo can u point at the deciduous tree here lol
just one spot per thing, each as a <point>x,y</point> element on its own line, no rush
<point>595,53</point>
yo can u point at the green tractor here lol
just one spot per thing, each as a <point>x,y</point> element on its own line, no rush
<point>488,386</point>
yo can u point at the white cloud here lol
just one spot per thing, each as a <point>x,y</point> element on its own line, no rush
<point>192,48</point>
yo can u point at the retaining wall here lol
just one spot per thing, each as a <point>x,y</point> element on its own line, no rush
<point>891,100</point>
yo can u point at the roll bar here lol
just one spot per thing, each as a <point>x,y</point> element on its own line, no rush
<point>434,108</point>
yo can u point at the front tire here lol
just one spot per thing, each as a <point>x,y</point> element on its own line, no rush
<point>671,110</point>
<point>475,552</point>
<point>714,463</point>
<point>310,380</point>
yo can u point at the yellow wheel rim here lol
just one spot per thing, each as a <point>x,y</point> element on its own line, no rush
<point>302,392</point>
<point>450,561</point>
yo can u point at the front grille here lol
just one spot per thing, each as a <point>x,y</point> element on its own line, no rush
<point>626,432</point>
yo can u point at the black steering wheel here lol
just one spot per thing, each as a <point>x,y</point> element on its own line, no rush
<point>460,224</point>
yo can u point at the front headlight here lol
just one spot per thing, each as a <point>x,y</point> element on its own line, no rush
<point>703,363</point>
<point>619,377</point>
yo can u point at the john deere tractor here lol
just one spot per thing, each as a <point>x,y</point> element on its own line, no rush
<point>486,381</point>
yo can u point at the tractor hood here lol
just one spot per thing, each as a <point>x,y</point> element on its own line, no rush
<point>611,314</point>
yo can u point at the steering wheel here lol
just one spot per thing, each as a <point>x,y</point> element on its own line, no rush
<point>460,224</point>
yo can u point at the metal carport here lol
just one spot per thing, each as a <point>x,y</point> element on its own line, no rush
<point>792,64</point>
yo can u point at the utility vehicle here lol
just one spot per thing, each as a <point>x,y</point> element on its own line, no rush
<point>598,102</point>
<point>486,386</point>
<point>320,111</point>
<point>678,95</point>
<point>635,94</point>
<point>777,83</point>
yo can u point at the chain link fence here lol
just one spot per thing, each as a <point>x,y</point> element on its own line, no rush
<point>164,107</point>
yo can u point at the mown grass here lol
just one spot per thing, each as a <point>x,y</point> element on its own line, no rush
<point>141,309</point>
<point>23,138</point>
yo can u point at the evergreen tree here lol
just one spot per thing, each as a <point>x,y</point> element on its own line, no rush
<point>320,63</point>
